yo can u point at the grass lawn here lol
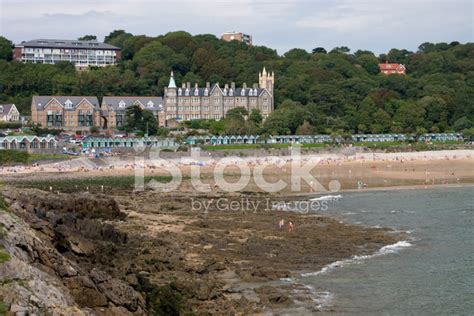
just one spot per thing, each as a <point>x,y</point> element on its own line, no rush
<point>39,157</point>
<point>18,156</point>
<point>94,184</point>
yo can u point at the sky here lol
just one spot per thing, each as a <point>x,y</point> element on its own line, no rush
<point>376,25</point>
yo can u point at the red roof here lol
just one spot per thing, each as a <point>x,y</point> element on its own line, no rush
<point>387,66</point>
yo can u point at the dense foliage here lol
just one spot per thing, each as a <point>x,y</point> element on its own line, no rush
<point>13,156</point>
<point>316,92</point>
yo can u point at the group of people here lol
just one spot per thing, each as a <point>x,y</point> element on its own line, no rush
<point>281,225</point>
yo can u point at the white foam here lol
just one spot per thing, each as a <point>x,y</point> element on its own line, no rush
<point>357,259</point>
<point>327,197</point>
<point>394,248</point>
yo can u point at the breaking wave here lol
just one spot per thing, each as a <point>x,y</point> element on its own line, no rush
<point>389,249</point>
<point>327,197</point>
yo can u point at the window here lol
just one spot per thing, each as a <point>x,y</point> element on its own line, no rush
<point>216,100</point>
<point>216,108</point>
<point>122,104</point>
<point>89,119</point>
<point>68,104</point>
<point>49,119</point>
<point>119,120</point>
<point>180,92</point>
<point>150,104</point>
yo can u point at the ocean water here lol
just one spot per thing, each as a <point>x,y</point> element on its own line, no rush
<point>430,273</point>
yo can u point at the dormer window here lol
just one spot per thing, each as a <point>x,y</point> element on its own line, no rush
<point>186,93</point>
<point>255,92</point>
<point>231,92</point>
<point>196,92</point>
<point>250,92</point>
<point>1,108</point>
<point>224,92</point>
<point>150,104</point>
<point>68,104</point>
<point>122,104</point>
<point>242,93</point>
<point>206,92</point>
<point>180,92</point>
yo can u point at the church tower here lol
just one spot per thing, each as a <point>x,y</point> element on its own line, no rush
<point>266,80</point>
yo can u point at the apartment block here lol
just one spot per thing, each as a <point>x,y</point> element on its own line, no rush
<point>81,53</point>
<point>237,36</point>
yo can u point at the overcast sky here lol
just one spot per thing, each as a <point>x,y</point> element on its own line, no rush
<point>376,25</point>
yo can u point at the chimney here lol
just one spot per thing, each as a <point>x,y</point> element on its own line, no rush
<point>196,85</point>
<point>208,85</point>
<point>232,85</point>
<point>255,85</point>
<point>226,86</point>
<point>188,85</point>
<point>244,85</point>
<point>183,85</point>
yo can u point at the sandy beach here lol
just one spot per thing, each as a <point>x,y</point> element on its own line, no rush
<point>378,170</point>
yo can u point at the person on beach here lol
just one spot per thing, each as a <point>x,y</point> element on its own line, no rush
<point>281,223</point>
<point>291,226</point>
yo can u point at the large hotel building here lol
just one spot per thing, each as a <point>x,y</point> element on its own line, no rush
<point>77,113</point>
<point>81,53</point>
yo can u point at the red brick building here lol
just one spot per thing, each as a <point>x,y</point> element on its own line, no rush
<point>392,69</point>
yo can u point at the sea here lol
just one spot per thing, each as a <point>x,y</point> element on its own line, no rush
<point>429,273</point>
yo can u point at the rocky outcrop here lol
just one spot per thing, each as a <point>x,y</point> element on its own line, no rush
<point>46,235</point>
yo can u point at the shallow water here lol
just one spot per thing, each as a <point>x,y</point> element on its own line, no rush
<point>432,273</point>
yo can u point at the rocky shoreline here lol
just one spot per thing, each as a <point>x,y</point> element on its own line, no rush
<point>150,253</point>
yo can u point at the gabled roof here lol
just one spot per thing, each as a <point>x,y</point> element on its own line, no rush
<point>29,138</point>
<point>40,101</point>
<point>237,91</point>
<point>149,103</point>
<point>5,109</point>
<point>388,66</point>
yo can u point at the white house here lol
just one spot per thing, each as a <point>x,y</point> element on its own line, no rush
<point>9,113</point>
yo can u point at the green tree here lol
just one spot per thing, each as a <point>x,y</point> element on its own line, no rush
<point>88,38</point>
<point>6,47</point>
<point>140,121</point>
<point>319,50</point>
<point>256,116</point>
<point>462,124</point>
<point>305,129</point>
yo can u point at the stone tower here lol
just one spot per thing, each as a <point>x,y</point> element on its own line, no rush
<point>266,80</point>
<point>170,101</point>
